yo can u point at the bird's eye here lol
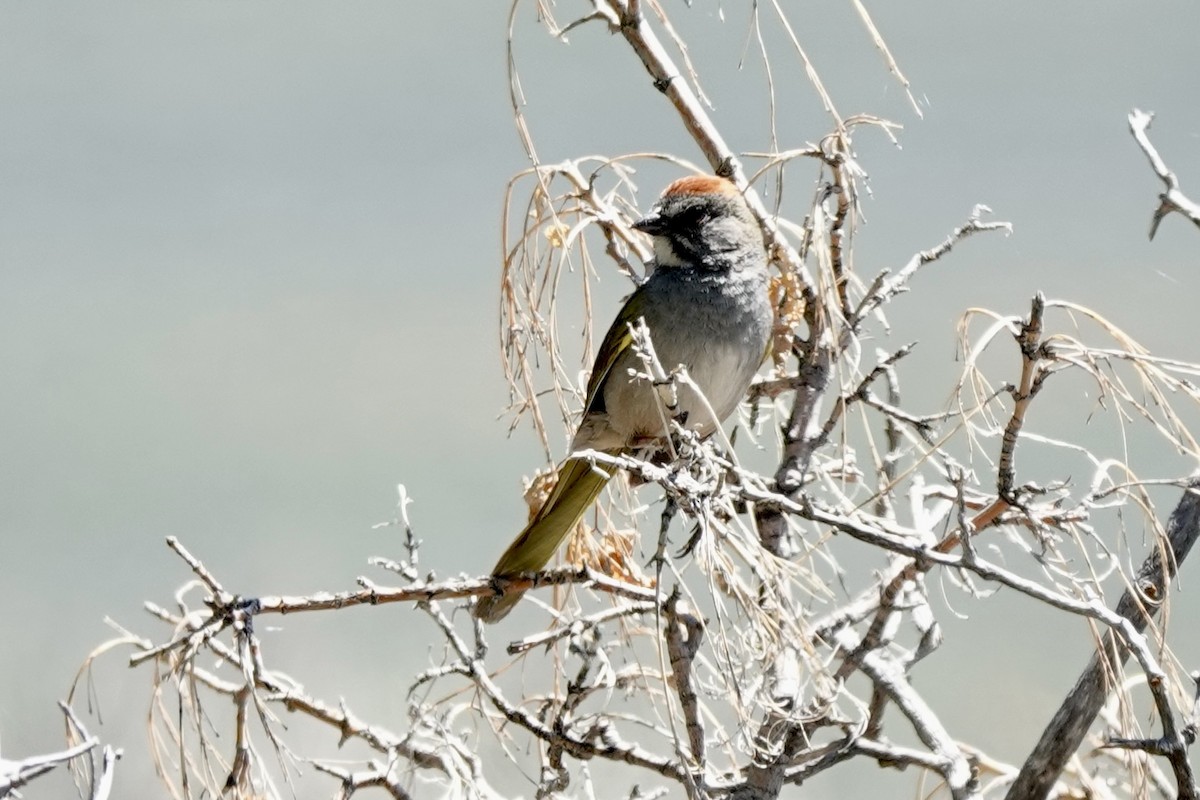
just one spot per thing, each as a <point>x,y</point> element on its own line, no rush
<point>692,216</point>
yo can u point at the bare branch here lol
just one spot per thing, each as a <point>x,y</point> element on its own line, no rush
<point>15,774</point>
<point>885,288</point>
<point>1073,718</point>
<point>1173,199</point>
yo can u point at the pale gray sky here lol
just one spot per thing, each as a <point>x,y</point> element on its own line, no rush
<point>249,257</point>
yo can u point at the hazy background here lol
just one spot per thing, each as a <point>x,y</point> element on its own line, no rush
<point>249,255</point>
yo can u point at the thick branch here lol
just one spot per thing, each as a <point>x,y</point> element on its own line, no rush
<point>1071,722</point>
<point>684,632</point>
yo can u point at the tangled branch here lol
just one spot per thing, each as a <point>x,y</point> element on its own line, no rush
<point>753,655</point>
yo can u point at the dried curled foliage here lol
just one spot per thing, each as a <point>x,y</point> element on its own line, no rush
<point>755,656</point>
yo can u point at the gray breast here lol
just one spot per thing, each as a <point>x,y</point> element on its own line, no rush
<point>716,325</point>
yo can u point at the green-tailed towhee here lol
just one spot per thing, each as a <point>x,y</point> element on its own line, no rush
<point>706,306</point>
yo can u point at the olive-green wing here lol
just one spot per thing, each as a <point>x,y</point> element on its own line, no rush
<point>616,342</point>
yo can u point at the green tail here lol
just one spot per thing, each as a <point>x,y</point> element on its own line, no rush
<point>579,484</point>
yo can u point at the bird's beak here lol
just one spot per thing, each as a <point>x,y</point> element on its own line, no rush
<point>652,224</point>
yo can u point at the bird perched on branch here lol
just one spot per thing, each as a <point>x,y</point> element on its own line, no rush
<point>706,308</point>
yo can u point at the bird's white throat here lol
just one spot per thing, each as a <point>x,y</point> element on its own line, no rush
<point>664,253</point>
